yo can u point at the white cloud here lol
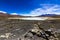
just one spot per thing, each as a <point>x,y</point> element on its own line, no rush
<point>46,9</point>
<point>13,13</point>
<point>3,12</point>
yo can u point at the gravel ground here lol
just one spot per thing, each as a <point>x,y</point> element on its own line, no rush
<point>16,28</point>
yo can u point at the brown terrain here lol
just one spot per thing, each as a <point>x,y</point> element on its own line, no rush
<point>13,29</point>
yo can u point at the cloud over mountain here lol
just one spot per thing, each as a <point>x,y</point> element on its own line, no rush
<point>14,14</point>
<point>3,12</point>
<point>45,9</point>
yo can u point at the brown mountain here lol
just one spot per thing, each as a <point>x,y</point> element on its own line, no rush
<point>6,15</point>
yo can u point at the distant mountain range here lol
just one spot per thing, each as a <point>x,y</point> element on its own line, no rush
<point>8,15</point>
<point>48,15</point>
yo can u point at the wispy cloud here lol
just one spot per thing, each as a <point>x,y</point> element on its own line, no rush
<point>45,9</point>
<point>14,13</point>
<point>3,12</point>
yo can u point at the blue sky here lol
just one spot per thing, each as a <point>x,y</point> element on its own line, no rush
<point>30,7</point>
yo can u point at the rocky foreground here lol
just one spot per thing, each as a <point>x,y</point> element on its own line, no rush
<point>14,29</point>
